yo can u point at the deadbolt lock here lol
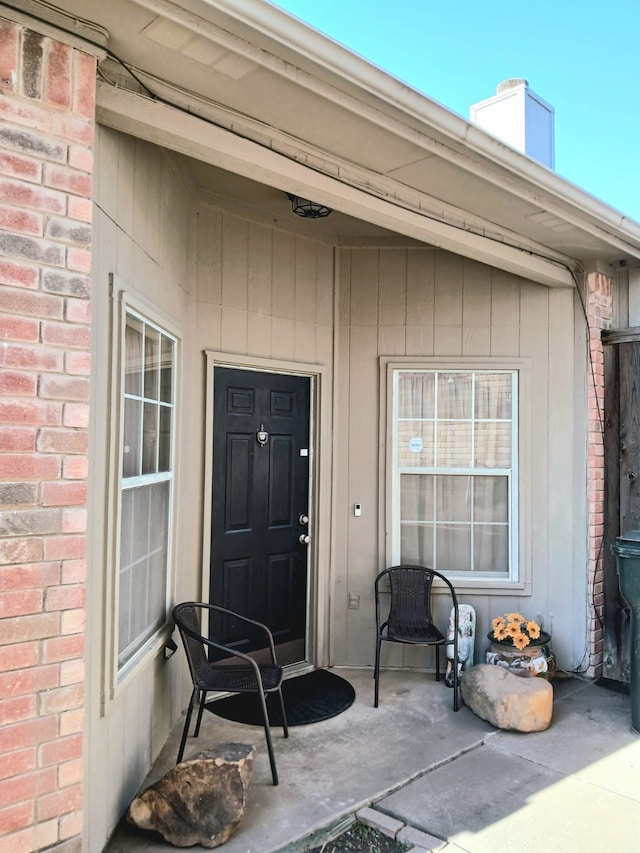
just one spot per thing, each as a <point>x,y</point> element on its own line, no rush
<point>303,519</point>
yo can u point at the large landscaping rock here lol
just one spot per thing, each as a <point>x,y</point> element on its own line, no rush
<point>507,701</point>
<point>200,801</point>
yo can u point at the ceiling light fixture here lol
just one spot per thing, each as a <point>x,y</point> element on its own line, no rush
<point>308,209</point>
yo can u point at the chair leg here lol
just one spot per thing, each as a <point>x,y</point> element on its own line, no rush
<point>203,699</point>
<point>437,663</point>
<point>376,674</point>
<point>456,675</point>
<point>267,732</point>
<point>285,725</point>
<point>187,722</point>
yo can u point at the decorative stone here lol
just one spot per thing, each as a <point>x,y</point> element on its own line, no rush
<point>507,701</point>
<point>199,801</point>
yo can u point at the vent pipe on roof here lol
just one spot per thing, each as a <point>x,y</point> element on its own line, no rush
<point>519,117</point>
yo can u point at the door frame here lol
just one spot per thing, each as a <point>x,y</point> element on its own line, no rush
<point>316,641</point>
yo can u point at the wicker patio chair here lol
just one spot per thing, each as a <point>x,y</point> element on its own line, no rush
<point>208,675</point>
<point>409,619</point>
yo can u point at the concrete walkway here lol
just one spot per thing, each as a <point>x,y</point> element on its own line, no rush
<point>442,780</point>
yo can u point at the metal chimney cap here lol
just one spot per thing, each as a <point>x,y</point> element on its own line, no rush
<point>511,83</point>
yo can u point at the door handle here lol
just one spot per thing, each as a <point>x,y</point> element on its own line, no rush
<point>303,539</point>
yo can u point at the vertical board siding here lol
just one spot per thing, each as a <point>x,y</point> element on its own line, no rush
<point>393,288</point>
<point>364,287</point>
<point>363,484</point>
<point>260,269</point>
<point>144,226</point>
<point>432,303</point>
<point>284,259</point>
<point>274,290</point>
<point>235,257</point>
<point>209,257</point>
<point>448,290</point>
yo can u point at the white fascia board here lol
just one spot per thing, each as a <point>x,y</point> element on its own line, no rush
<point>174,129</point>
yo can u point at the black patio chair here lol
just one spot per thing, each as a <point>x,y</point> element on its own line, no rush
<point>209,675</point>
<point>409,618</point>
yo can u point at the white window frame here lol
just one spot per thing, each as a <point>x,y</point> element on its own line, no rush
<point>519,536</point>
<point>126,304</point>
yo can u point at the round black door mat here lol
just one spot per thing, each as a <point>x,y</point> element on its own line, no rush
<point>308,698</point>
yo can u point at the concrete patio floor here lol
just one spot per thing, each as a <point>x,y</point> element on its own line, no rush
<point>470,787</point>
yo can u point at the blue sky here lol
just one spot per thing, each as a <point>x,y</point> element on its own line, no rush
<point>581,56</point>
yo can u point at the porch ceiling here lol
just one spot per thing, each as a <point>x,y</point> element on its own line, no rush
<point>261,74</point>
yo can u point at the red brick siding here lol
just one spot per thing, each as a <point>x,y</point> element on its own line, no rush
<point>599,313</point>
<point>47,103</point>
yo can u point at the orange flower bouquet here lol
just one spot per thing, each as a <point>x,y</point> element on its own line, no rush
<point>514,628</point>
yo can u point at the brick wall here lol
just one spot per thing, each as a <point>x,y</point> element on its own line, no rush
<point>599,313</point>
<point>47,101</point>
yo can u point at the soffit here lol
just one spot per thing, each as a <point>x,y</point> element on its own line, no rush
<point>209,50</point>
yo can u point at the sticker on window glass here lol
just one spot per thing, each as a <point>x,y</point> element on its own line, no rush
<point>415,445</point>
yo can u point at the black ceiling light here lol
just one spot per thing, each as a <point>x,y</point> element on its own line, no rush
<point>308,209</point>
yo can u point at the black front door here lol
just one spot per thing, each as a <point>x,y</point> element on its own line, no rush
<point>260,505</point>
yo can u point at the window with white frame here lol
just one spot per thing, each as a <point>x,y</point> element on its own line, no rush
<point>146,498</point>
<point>454,448</point>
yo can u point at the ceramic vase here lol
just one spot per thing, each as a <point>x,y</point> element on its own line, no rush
<point>536,659</point>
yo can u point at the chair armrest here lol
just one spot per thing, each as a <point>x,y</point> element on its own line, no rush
<point>265,629</point>
<point>220,647</point>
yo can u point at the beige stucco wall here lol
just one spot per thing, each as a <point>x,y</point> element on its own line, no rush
<point>258,295</point>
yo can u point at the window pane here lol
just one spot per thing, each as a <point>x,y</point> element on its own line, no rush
<point>453,547</point>
<point>151,362</point>
<point>491,548</point>
<point>416,544</point>
<point>493,445</point>
<point>416,395</point>
<point>131,438</point>
<point>166,370</point>
<point>159,512</point>
<point>454,395</point>
<point>157,589</point>
<point>494,395</point>
<point>491,499</point>
<point>453,498</point>
<point>164,450</point>
<point>415,444</point>
<point>126,528</point>
<point>453,439</point>
<point>416,497</point>
<point>124,611</point>
<point>143,566</point>
<point>150,439</point>
<point>133,356</point>
<point>140,523</point>
<point>139,599</point>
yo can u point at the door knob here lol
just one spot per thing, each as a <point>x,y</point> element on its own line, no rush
<point>303,519</point>
<point>303,539</point>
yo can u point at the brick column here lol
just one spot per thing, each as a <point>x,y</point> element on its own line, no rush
<point>599,313</point>
<point>47,106</point>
